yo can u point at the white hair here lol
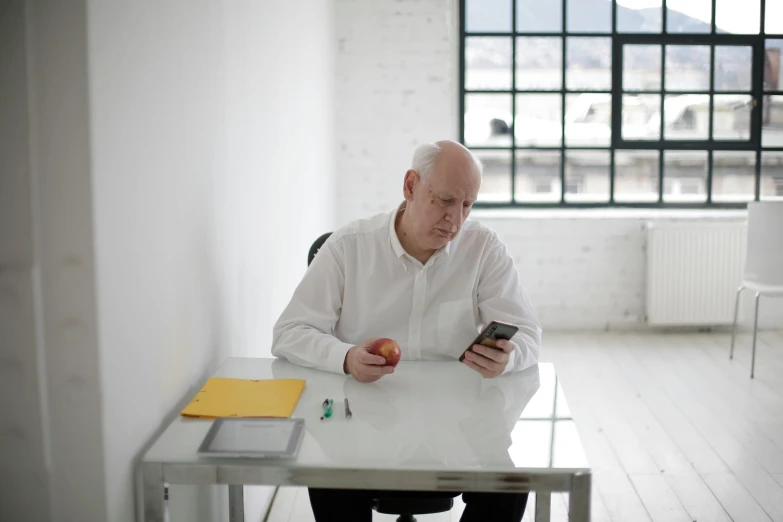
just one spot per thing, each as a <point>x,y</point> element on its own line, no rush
<point>425,156</point>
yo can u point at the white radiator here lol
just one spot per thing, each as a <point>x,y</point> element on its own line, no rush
<point>693,270</point>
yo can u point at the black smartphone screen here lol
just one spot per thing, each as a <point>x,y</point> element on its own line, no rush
<point>494,331</point>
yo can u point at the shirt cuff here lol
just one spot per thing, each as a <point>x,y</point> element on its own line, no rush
<point>512,358</point>
<point>336,358</point>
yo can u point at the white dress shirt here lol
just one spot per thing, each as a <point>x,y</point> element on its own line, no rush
<point>363,284</point>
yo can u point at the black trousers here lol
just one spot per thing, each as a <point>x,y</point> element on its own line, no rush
<point>346,505</point>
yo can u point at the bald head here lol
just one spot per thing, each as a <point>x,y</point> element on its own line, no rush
<point>445,153</point>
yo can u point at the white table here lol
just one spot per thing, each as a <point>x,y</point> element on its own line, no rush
<point>430,426</point>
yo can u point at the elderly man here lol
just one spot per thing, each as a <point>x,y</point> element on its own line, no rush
<point>425,277</point>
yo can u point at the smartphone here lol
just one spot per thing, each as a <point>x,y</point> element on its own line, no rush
<point>494,331</point>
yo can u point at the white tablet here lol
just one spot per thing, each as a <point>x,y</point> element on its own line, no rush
<point>269,438</point>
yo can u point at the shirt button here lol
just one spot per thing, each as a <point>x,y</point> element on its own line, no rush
<point>421,273</point>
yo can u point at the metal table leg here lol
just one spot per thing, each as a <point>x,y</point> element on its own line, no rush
<point>236,503</point>
<point>579,499</point>
<point>734,325</point>
<point>755,332</point>
<point>543,506</point>
<point>152,505</point>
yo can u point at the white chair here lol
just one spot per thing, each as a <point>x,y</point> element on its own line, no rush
<point>763,263</point>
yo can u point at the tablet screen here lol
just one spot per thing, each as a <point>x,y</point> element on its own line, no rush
<point>263,436</point>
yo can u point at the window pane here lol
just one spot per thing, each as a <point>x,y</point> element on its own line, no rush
<point>772,175</point>
<point>531,444</point>
<point>642,67</point>
<point>641,117</point>
<point>772,122</point>
<point>589,17</point>
<point>636,175</point>
<point>686,116</point>
<point>488,16</point>
<point>589,64</point>
<point>645,19</point>
<point>738,16</point>
<point>538,175</point>
<point>588,120</point>
<point>773,65</point>
<point>684,176</point>
<point>733,176</point>
<point>541,406</point>
<point>539,17</point>
<point>488,119</point>
<point>731,117</point>
<point>587,176</point>
<point>496,181</point>
<point>567,449</point>
<point>774,15</point>
<point>539,63</point>
<point>733,66</point>
<point>539,120</point>
<point>687,67</point>
<point>487,63</point>
<point>688,16</point>
<point>562,409</point>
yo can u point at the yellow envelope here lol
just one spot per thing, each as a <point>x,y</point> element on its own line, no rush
<point>222,397</point>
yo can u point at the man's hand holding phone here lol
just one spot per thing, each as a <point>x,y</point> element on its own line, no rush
<point>489,362</point>
<point>490,352</point>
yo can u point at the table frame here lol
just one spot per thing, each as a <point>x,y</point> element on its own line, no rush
<point>155,475</point>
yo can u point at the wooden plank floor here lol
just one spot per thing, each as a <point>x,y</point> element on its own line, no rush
<point>674,430</point>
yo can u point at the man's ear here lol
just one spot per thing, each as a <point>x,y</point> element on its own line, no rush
<point>412,180</point>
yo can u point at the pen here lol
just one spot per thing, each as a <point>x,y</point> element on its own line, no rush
<point>348,413</point>
<point>327,407</point>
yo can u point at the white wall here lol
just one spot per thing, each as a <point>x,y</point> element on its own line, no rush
<point>397,86</point>
<point>276,194</point>
<point>23,432</point>
<point>279,184</point>
<point>210,123</point>
<point>63,245</point>
<point>588,269</point>
<point>165,167</point>
<point>158,150</point>
<point>395,89</point>
<point>50,422</point>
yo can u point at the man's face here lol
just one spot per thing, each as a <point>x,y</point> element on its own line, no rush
<point>440,204</point>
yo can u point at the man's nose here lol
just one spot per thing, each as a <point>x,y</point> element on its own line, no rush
<point>453,216</point>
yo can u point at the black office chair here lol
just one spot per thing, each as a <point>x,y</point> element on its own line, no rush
<point>408,506</point>
<point>316,247</point>
<point>404,506</point>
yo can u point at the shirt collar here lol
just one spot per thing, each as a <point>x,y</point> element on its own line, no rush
<point>395,241</point>
<point>399,251</point>
<point>445,250</point>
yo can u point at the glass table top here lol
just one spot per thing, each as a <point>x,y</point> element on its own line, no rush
<point>428,415</point>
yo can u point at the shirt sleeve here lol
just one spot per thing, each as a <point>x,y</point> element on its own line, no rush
<point>501,297</point>
<point>304,333</point>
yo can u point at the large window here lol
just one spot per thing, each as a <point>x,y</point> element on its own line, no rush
<point>624,102</point>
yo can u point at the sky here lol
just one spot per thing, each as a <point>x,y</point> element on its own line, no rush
<point>734,16</point>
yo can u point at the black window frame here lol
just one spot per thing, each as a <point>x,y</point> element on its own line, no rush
<point>617,143</point>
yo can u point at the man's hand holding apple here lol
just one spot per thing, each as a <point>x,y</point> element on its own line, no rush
<point>372,359</point>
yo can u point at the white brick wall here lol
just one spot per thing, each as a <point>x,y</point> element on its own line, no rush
<point>580,273</point>
<point>396,66</point>
<point>588,269</point>
<point>397,86</point>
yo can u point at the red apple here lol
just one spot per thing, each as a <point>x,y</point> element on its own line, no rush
<point>388,349</point>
